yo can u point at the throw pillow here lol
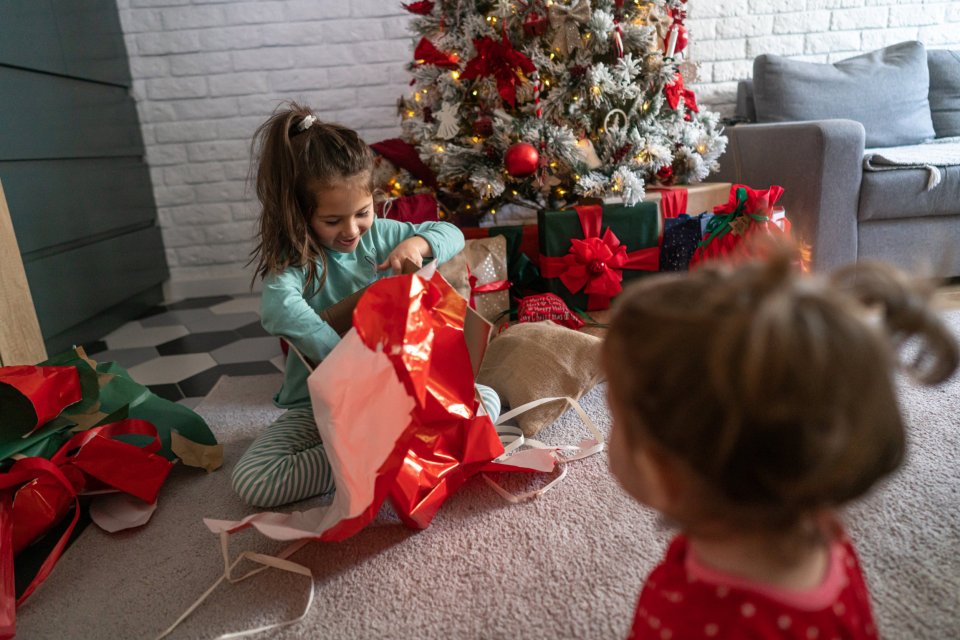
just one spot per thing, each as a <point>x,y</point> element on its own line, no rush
<point>884,90</point>
<point>944,91</point>
<point>535,360</point>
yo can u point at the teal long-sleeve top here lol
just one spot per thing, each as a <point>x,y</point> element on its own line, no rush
<point>285,312</point>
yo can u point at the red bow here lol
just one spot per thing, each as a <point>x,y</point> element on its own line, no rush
<point>427,53</point>
<point>501,61</point>
<point>422,8</point>
<point>595,264</point>
<point>675,90</point>
<point>490,287</point>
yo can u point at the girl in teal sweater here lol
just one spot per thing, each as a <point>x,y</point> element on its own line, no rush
<point>318,242</point>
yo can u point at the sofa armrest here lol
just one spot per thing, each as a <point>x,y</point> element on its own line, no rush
<point>820,166</point>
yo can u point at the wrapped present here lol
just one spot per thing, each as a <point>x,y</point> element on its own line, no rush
<point>421,207</point>
<point>587,252</point>
<point>681,237</point>
<point>547,306</point>
<point>690,199</point>
<point>523,257</point>
<point>487,273</point>
<point>747,213</point>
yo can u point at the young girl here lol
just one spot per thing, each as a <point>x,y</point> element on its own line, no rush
<point>318,243</point>
<point>747,405</point>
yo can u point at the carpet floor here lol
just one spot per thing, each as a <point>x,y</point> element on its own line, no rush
<point>567,565</point>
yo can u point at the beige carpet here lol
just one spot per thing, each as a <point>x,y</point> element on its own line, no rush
<point>568,565</point>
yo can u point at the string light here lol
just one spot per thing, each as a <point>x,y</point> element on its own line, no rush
<point>439,148</point>
<point>455,74</point>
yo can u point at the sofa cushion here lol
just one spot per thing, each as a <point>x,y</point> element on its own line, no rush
<point>944,94</point>
<point>902,193</point>
<point>885,90</point>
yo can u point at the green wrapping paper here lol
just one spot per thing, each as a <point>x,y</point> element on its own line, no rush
<point>638,228</point>
<point>109,394</point>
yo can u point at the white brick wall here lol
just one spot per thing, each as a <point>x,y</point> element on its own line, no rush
<point>208,72</point>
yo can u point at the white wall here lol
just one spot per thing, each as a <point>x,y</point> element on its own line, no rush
<point>208,72</point>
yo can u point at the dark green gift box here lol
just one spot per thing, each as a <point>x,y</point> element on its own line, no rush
<point>639,228</point>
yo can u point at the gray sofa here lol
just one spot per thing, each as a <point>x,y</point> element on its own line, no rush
<point>809,128</point>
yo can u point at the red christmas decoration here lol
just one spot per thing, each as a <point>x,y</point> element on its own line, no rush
<point>521,160</point>
<point>483,126</point>
<point>665,175</point>
<point>535,24</point>
<point>427,53</point>
<point>500,61</point>
<point>422,8</point>
<point>675,90</point>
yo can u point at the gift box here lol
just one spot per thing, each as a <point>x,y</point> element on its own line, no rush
<point>523,257</point>
<point>690,199</point>
<point>681,237</point>
<point>487,272</point>
<point>589,251</point>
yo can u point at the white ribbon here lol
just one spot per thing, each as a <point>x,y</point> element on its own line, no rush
<point>306,123</point>
<point>513,438</point>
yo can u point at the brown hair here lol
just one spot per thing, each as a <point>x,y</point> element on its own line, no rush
<point>292,164</point>
<point>774,388</point>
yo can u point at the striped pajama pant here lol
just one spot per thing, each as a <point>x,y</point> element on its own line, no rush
<point>287,462</point>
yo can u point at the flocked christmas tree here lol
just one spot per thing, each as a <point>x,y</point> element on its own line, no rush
<point>542,102</point>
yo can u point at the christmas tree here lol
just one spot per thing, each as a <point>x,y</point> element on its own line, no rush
<point>541,102</point>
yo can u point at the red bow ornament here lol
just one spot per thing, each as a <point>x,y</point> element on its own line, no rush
<point>427,53</point>
<point>500,61</point>
<point>423,8</point>
<point>675,90</point>
<point>596,263</point>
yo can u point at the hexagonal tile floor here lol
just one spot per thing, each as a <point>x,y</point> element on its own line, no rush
<point>180,349</point>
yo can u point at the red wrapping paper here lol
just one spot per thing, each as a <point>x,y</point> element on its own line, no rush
<point>548,306</point>
<point>49,390</point>
<point>420,207</point>
<point>44,490</point>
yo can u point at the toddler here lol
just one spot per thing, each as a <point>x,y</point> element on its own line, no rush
<point>748,405</point>
<point>318,243</point>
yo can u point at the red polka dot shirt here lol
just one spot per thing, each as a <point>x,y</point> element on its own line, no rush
<point>683,599</point>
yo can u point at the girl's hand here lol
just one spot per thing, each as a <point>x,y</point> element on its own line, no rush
<point>414,249</point>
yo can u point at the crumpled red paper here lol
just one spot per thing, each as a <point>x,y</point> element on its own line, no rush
<point>44,490</point>
<point>396,409</point>
<point>37,395</point>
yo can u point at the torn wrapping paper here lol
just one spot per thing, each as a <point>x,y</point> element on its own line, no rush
<point>30,397</point>
<point>423,437</point>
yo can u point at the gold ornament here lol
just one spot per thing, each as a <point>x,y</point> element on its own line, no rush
<point>566,23</point>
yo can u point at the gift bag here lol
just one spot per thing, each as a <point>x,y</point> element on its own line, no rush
<point>487,273</point>
<point>747,214</point>
<point>587,252</point>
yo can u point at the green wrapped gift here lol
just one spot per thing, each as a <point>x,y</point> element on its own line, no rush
<point>589,251</point>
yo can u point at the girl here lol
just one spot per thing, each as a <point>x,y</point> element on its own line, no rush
<point>318,242</point>
<point>747,405</point>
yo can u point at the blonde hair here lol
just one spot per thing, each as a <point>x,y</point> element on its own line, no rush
<point>295,156</point>
<point>775,388</point>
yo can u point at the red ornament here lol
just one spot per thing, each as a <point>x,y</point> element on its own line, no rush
<point>521,160</point>
<point>483,126</point>
<point>665,175</point>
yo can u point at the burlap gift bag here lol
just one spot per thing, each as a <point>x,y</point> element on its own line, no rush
<point>535,360</point>
<point>489,283</point>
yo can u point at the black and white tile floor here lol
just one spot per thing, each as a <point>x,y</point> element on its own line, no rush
<point>179,350</point>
